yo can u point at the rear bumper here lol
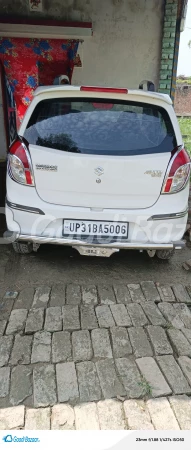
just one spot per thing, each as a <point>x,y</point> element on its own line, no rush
<point>162,233</point>
<point>119,245</point>
<point>162,226</point>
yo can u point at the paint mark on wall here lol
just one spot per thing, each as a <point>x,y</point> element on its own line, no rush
<point>35,5</point>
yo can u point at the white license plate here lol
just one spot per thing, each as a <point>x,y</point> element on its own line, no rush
<point>95,228</point>
<point>96,251</point>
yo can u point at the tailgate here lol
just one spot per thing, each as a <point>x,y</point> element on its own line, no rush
<point>102,153</point>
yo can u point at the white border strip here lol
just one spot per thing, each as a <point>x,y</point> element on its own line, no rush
<point>96,440</point>
<point>43,31</point>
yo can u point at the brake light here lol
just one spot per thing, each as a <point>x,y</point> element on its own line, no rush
<point>104,89</point>
<point>178,172</point>
<point>19,163</point>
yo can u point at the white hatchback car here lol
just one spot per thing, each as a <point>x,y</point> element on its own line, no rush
<point>99,169</point>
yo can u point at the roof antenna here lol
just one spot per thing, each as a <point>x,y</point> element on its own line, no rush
<point>149,85</point>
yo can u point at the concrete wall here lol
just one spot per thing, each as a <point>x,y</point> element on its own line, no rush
<point>126,46</point>
<point>182,103</point>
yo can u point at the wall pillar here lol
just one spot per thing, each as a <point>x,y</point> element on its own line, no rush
<point>168,46</point>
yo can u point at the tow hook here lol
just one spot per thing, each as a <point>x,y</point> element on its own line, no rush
<point>151,253</point>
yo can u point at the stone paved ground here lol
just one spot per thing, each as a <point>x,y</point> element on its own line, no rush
<point>96,357</point>
<point>173,413</point>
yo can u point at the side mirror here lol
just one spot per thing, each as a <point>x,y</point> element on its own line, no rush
<point>149,85</point>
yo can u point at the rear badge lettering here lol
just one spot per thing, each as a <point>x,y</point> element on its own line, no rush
<point>46,167</point>
<point>154,173</point>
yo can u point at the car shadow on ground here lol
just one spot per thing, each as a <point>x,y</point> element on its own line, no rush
<point>63,264</point>
<point>57,264</point>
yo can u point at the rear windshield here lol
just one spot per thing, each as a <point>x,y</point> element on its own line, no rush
<point>100,127</point>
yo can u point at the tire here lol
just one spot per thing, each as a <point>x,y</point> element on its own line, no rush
<point>22,248</point>
<point>164,254</point>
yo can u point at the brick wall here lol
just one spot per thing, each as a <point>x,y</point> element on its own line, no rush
<point>182,103</point>
<point>168,46</point>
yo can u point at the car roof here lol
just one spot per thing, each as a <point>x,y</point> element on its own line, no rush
<point>68,88</point>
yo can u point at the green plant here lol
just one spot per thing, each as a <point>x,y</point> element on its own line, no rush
<point>185,127</point>
<point>168,325</point>
<point>147,388</point>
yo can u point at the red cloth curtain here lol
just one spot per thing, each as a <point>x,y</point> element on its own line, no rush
<point>30,63</point>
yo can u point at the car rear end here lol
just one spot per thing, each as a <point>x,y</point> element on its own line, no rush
<point>99,169</point>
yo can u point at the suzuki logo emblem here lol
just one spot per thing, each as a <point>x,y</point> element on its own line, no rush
<point>99,171</point>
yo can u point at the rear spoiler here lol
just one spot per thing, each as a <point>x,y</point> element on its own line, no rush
<point>149,85</point>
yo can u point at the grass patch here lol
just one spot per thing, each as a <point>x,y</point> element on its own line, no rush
<point>147,388</point>
<point>185,126</point>
<point>186,81</point>
<point>168,326</point>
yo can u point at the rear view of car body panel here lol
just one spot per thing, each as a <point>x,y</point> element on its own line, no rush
<point>123,149</point>
<point>124,188</point>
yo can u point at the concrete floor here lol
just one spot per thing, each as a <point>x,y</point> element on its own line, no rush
<point>56,264</point>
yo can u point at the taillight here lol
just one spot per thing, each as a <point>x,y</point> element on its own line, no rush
<point>19,163</point>
<point>178,172</point>
<point>104,89</point>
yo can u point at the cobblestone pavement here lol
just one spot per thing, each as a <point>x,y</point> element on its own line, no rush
<point>173,413</point>
<point>100,356</point>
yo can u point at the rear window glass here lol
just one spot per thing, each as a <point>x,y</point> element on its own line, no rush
<point>100,127</point>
